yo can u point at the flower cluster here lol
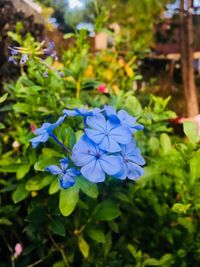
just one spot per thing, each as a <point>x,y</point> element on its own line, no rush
<point>38,52</point>
<point>106,147</point>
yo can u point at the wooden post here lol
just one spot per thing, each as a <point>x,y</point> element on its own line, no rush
<point>187,60</point>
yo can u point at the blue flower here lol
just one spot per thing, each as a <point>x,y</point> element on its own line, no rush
<point>13,51</point>
<point>106,134</point>
<point>95,162</point>
<point>123,117</point>
<point>23,59</point>
<point>66,176</point>
<point>131,160</point>
<point>12,59</point>
<point>50,50</point>
<point>81,112</point>
<point>45,131</point>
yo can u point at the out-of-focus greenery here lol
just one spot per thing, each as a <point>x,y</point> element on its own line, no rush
<point>151,222</point>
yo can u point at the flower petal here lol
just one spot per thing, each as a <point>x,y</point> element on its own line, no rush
<point>64,163</point>
<point>83,151</point>
<point>111,164</point>
<point>134,171</point>
<point>97,122</point>
<point>95,135</point>
<point>38,139</point>
<point>109,145</point>
<point>121,135</point>
<point>54,169</point>
<point>93,172</point>
<point>66,181</point>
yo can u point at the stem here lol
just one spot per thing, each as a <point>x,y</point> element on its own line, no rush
<point>60,249</point>
<point>78,89</point>
<point>60,143</point>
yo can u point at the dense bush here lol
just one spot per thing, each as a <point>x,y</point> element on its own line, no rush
<point>151,222</point>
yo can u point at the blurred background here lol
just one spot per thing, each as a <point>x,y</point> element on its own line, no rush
<point>164,35</point>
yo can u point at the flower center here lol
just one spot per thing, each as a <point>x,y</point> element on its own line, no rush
<point>97,156</point>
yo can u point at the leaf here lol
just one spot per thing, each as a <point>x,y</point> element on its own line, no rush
<point>108,244</point>
<point>37,182</point>
<point>180,208</point>
<point>83,246</point>
<point>190,130</point>
<point>166,259</point>
<point>2,126</point>
<point>59,264</point>
<point>194,163</point>
<point>165,142</point>
<point>50,153</point>
<point>57,226</point>
<point>5,221</point>
<point>96,235</point>
<point>54,187</point>
<point>22,108</point>
<point>3,98</point>
<point>68,200</point>
<point>22,171</point>
<point>12,168</point>
<point>90,189</point>
<point>20,193</point>
<point>106,211</point>
<point>42,164</point>
<point>151,262</point>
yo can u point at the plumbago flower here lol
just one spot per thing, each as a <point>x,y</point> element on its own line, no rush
<point>66,176</point>
<point>94,162</point>
<point>45,131</point>
<point>106,148</point>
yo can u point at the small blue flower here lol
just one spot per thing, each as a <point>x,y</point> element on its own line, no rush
<point>12,59</point>
<point>13,51</point>
<point>45,131</point>
<point>45,73</point>
<point>66,176</point>
<point>50,50</point>
<point>106,134</point>
<point>95,162</point>
<point>23,59</point>
<point>131,160</point>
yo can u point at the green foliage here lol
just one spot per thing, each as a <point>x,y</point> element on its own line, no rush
<point>151,222</point>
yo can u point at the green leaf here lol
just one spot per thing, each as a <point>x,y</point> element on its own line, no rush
<point>3,98</point>
<point>5,221</point>
<point>151,262</point>
<point>83,246</point>
<point>22,108</point>
<point>22,171</point>
<point>50,153</point>
<point>54,187</point>
<point>194,163</point>
<point>165,143</point>
<point>106,211</point>
<point>20,193</point>
<point>42,164</point>
<point>2,126</point>
<point>38,182</point>
<point>68,200</point>
<point>87,187</point>
<point>96,235</point>
<point>166,260</point>
<point>190,130</point>
<point>180,208</point>
<point>57,226</point>
<point>59,264</point>
<point>12,168</point>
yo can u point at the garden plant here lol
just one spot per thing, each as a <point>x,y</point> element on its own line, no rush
<point>91,172</point>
